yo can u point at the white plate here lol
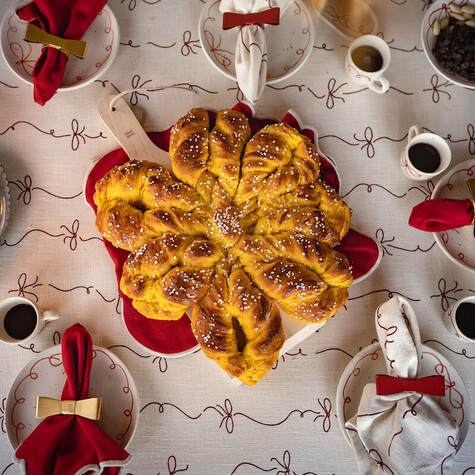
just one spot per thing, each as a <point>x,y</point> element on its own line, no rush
<point>4,201</point>
<point>102,39</point>
<point>45,376</point>
<point>438,10</point>
<point>457,244</point>
<point>363,368</point>
<point>288,45</point>
<point>348,22</point>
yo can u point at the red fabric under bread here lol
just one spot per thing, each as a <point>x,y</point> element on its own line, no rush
<point>361,251</point>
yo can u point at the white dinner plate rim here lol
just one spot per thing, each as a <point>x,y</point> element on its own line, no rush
<point>57,349</point>
<point>438,186</point>
<point>463,430</point>
<point>74,86</point>
<point>271,81</point>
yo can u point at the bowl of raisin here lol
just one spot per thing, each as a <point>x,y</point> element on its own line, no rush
<point>448,39</point>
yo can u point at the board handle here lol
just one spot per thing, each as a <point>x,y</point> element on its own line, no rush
<point>127,130</point>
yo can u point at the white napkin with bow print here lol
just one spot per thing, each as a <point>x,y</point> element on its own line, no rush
<point>251,47</point>
<point>408,432</point>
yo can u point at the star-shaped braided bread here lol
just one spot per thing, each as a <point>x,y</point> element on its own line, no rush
<point>238,225</point>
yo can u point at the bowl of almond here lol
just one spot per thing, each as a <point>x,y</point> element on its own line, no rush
<point>448,39</point>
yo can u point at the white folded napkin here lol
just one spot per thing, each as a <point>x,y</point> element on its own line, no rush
<point>251,48</point>
<point>404,433</point>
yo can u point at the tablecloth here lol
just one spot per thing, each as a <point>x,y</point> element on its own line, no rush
<point>193,420</point>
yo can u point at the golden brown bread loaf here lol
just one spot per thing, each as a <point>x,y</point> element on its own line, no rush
<point>237,223</point>
<point>139,201</point>
<point>238,327</point>
<point>169,274</point>
<point>307,279</point>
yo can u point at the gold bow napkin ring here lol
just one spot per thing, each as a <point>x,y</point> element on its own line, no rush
<point>33,34</point>
<point>88,408</point>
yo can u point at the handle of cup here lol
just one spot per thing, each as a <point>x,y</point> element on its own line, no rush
<point>380,85</point>
<point>50,315</point>
<point>413,132</point>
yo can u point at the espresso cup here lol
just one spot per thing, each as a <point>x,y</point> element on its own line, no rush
<point>367,59</point>
<point>425,155</point>
<point>21,320</point>
<point>459,319</point>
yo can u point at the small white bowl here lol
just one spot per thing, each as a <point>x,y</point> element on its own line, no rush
<point>456,244</point>
<point>102,39</point>
<point>437,11</point>
<point>289,44</point>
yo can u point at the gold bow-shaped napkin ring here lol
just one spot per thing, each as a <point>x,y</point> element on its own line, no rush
<point>88,408</point>
<point>33,34</point>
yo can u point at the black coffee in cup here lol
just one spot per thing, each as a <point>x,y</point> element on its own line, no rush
<point>465,318</point>
<point>367,58</point>
<point>424,157</point>
<point>20,321</point>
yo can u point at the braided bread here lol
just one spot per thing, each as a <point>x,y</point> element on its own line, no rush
<point>307,279</point>
<point>237,222</point>
<point>238,327</point>
<point>139,201</point>
<point>169,274</point>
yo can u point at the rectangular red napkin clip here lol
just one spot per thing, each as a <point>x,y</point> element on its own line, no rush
<point>270,16</point>
<point>431,385</point>
<point>33,34</point>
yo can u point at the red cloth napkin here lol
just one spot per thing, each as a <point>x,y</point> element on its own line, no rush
<point>440,215</point>
<point>68,19</point>
<point>64,444</point>
<point>361,250</point>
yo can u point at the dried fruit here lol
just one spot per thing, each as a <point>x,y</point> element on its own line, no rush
<point>454,49</point>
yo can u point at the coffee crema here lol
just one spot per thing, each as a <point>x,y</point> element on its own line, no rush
<point>20,321</point>
<point>465,318</point>
<point>367,58</point>
<point>424,157</point>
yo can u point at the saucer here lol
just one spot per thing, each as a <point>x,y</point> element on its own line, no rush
<point>288,45</point>
<point>44,375</point>
<point>102,38</point>
<point>363,368</point>
<point>457,244</point>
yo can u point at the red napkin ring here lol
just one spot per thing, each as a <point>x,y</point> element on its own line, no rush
<point>270,17</point>
<point>431,385</point>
